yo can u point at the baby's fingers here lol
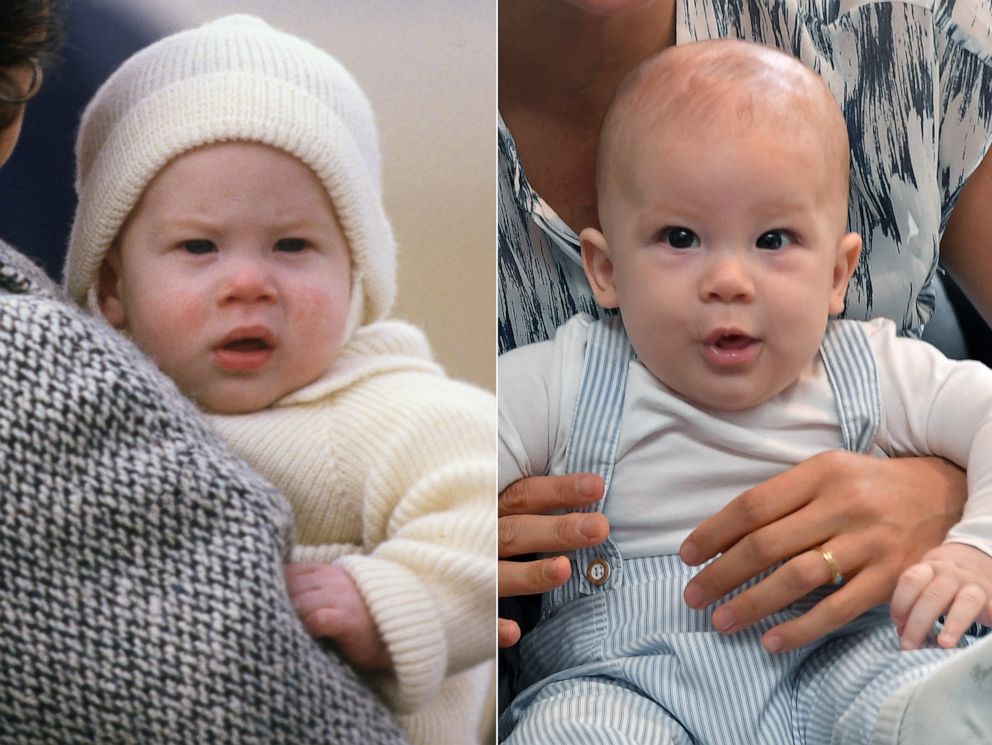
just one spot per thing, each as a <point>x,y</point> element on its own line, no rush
<point>911,584</point>
<point>325,622</point>
<point>935,599</point>
<point>968,604</point>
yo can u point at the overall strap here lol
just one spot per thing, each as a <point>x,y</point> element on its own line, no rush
<point>592,446</point>
<point>853,375</point>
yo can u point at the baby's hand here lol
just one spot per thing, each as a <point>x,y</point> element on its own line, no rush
<point>952,579</point>
<point>330,605</point>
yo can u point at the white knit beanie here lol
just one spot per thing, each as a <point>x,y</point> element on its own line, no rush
<point>235,78</point>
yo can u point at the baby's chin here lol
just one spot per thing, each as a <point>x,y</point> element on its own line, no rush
<point>731,401</point>
<point>235,402</point>
<point>251,393</point>
<point>728,396</point>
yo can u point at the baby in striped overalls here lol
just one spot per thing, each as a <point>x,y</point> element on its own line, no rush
<point>723,183</point>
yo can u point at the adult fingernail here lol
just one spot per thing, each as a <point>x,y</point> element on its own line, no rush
<point>724,619</point>
<point>693,596</point>
<point>773,642</point>
<point>589,527</point>
<point>586,487</point>
<point>689,553</point>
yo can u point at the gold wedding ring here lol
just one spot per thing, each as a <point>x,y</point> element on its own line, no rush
<point>835,576</point>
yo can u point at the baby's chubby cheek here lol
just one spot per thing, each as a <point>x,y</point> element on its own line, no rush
<point>321,307</point>
<point>162,325</point>
<point>316,328</point>
<point>188,314</point>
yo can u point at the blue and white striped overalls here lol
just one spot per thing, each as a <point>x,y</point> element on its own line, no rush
<point>619,658</point>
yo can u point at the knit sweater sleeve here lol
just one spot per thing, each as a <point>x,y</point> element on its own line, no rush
<point>427,572</point>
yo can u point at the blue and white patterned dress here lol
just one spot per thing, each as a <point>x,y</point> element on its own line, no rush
<point>914,80</point>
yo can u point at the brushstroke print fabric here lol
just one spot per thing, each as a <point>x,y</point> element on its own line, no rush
<point>914,80</point>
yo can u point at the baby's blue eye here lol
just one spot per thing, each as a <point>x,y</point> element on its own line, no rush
<point>679,237</point>
<point>290,245</point>
<point>199,247</point>
<point>773,240</point>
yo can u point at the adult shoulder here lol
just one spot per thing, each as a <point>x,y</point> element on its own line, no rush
<point>142,559</point>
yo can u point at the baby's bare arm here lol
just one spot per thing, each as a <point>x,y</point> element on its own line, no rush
<point>330,606</point>
<point>953,579</point>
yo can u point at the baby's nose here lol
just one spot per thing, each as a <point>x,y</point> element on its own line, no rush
<point>727,279</point>
<point>248,280</point>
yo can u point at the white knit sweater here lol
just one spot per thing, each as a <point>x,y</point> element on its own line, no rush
<point>390,468</point>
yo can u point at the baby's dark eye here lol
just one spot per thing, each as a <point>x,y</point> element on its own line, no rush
<point>773,239</point>
<point>679,237</point>
<point>199,246</point>
<point>290,245</point>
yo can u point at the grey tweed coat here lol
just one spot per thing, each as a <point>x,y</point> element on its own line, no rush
<point>141,589</point>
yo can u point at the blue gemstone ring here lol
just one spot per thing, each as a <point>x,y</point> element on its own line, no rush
<point>836,578</point>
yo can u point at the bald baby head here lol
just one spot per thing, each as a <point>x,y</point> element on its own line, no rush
<point>720,89</point>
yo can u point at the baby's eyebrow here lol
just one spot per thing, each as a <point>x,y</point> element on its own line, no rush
<point>789,208</point>
<point>183,222</point>
<point>282,225</point>
<point>303,219</point>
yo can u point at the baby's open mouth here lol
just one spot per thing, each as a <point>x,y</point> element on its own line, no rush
<point>245,350</point>
<point>731,348</point>
<point>253,344</point>
<point>731,342</point>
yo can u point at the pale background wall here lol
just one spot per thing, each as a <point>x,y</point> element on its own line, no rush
<point>429,69</point>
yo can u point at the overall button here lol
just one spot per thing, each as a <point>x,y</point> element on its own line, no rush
<point>598,571</point>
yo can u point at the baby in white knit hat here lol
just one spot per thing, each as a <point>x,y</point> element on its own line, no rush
<point>230,222</point>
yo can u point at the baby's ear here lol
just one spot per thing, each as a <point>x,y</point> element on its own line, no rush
<point>848,252</point>
<point>109,289</point>
<point>598,267</point>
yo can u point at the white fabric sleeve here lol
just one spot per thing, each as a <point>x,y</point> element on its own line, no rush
<point>537,385</point>
<point>430,581</point>
<point>936,406</point>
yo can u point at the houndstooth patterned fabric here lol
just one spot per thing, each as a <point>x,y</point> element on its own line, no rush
<point>141,591</point>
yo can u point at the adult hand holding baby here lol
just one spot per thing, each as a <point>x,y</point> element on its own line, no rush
<point>875,507</point>
<point>526,527</point>
<point>876,517</point>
